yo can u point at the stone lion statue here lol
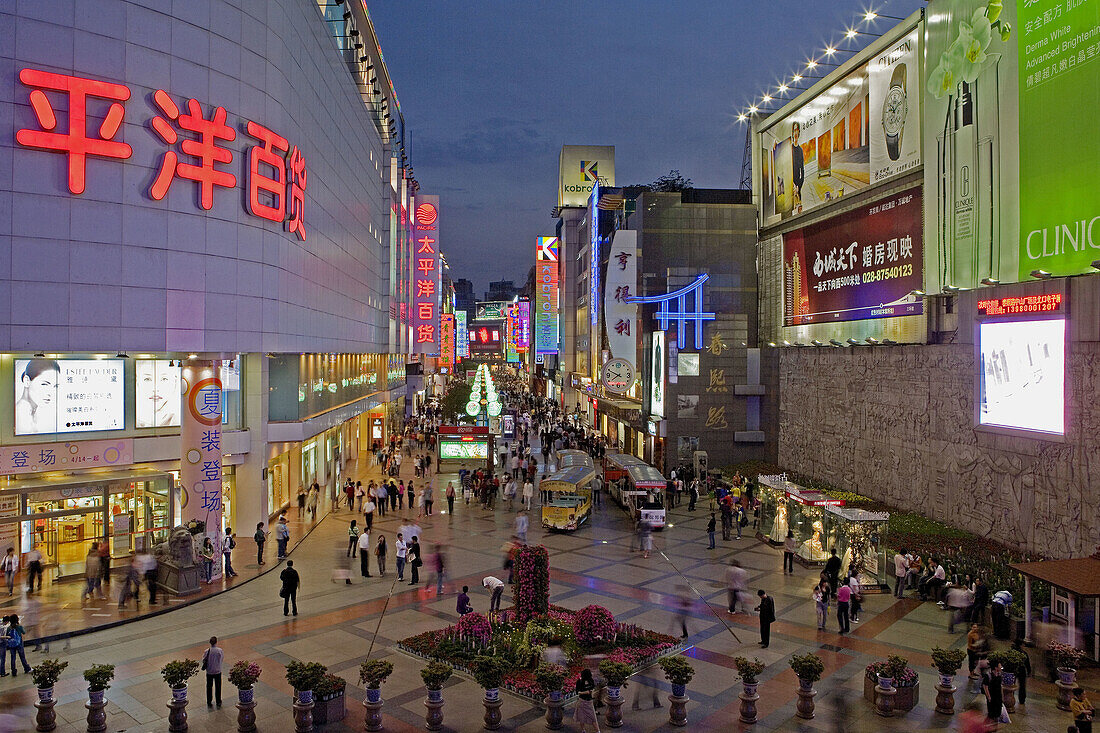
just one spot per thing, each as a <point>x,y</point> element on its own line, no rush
<point>178,550</point>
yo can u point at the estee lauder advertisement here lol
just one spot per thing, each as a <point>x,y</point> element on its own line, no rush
<point>68,395</point>
<point>859,265</point>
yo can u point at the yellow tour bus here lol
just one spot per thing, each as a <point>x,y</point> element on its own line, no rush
<point>570,497</point>
<point>568,458</point>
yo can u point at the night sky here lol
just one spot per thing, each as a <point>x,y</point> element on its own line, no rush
<point>491,90</point>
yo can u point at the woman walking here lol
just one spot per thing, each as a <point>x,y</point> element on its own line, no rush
<point>821,600</point>
<point>311,502</point>
<point>353,539</point>
<point>585,714</point>
<point>207,553</point>
<point>380,551</point>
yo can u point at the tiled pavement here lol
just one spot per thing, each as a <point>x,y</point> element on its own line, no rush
<point>339,625</point>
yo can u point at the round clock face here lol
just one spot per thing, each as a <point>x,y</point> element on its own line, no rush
<point>893,111</point>
<point>618,376</point>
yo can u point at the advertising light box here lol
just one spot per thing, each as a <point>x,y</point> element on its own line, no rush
<point>157,393</point>
<point>463,448</point>
<point>68,396</point>
<point>1022,378</point>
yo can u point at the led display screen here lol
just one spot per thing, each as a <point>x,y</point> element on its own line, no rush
<point>1022,377</point>
<point>157,390</point>
<point>463,449</point>
<point>68,396</point>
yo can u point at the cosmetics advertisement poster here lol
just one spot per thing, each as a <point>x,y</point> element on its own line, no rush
<point>1059,86</point>
<point>895,91</point>
<point>862,264</point>
<point>971,129</point>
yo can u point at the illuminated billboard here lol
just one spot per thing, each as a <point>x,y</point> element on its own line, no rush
<point>157,392</point>
<point>462,339</point>
<point>447,339</point>
<point>426,274</point>
<point>463,448</point>
<point>860,131</point>
<point>523,325</point>
<point>579,168</point>
<point>68,395</point>
<point>547,306</point>
<point>1021,383</point>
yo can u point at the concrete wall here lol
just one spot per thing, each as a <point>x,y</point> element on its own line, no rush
<point>898,424</point>
<point>114,269</point>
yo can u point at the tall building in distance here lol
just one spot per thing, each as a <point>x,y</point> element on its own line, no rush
<point>502,290</point>
<point>464,296</point>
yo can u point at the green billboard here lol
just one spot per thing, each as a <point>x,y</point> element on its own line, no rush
<point>1011,90</point>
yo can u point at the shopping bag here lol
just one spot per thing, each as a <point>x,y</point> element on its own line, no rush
<point>1004,715</point>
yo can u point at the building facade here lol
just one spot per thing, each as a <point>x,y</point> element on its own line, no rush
<point>198,188</point>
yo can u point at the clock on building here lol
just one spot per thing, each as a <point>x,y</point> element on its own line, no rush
<point>618,376</point>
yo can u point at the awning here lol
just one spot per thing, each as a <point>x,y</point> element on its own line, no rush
<point>1080,575</point>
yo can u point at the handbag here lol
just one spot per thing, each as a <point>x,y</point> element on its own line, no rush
<point>204,656</point>
<point>282,593</point>
<point>1004,715</point>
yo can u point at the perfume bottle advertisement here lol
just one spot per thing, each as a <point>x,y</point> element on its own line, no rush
<point>971,131</point>
<point>895,91</point>
<point>1059,88</point>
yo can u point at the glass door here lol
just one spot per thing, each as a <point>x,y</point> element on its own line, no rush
<point>64,528</point>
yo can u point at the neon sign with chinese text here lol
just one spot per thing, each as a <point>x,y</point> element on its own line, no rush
<point>426,326</point>
<point>1048,303</point>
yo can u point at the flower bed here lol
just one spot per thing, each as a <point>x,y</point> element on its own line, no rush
<point>521,645</point>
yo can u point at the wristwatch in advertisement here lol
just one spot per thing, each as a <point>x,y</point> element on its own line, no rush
<point>893,112</point>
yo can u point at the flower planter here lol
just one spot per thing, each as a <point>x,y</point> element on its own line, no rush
<point>435,695</point>
<point>179,694</point>
<point>805,707</point>
<point>679,690</point>
<point>906,698</point>
<point>45,718</point>
<point>748,703</point>
<point>554,710</point>
<point>246,696</point>
<point>246,710</point>
<point>492,704</point>
<point>945,695</point>
<point>1067,675</point>
<point>374,694</point>
<point>303,711</point>
<point>433,718</point>
<point>613,695</point>
<point>330,708</point>
<point>97,712</point>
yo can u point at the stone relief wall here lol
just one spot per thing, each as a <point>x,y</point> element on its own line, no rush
<point>897,424</point>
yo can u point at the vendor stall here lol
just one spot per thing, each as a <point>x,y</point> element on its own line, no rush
<point>859,537</point>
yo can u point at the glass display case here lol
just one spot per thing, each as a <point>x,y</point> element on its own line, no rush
<point>859,537</point>
<point>773,508</point>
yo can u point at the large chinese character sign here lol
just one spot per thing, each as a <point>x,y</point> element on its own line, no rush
<point>425,277</point>
<point>201,448</point>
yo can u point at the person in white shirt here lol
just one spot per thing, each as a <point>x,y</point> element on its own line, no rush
<point>528,492</point>
<point>364,553</point>
<point>228,543</point>
<point>402,549</point>
<point>901,570</point>
<point>359,494</point>
<point>521,526</point>
<point>496,589</point>
<point>10,566</point>
<point>34,568</point>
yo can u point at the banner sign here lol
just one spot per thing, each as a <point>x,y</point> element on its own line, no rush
<point>862,264</point>
<point>447,339</point>
<point>65,456</point>
<point>523,325</point>
<point>620,315</point>
<point>68,395</point>
<point>200,443</point>
<point>862,130</point>
<point>426,274</point>
<point>546,295</point>
<point>657,375</point>
<point>462,338</point>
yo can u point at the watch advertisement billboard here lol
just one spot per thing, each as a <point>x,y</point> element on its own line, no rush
<point>862,130</point>
<point>862,264</point>
<point>68,395</point>
<point>546,295</point>
<point>579,168</point>
<point>157,396</point>
<point>1009,88</point>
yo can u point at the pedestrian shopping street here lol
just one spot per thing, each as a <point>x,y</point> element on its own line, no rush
<point>339,625</point>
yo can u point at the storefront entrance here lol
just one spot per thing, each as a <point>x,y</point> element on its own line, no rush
<point>64,514</point>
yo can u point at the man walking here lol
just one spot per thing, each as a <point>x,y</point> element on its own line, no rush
<point>832,571</point>
<point>34,568</point>
<point>212,663</point>
<point>364,554</point>
<point>282,537</point>
<point>261,538</point>
<point>710,531</point>
<point>737,582</point>
<point>228,543</point>
<point>147,563</point>
<point>767,617</point>
<point>289,591</point>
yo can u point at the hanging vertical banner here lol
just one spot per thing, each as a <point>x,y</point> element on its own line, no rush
<point>447,339</point>
<point>462,337</point>
<point>201,449</point>
<point>511,311</point>
<point>546,295</point>
<point>523,325</point>
<point>620,317</point>
<point>425,277</point>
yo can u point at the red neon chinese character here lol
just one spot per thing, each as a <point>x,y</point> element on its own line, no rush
<point>426,243</point>
<point>425,311</point>
<point>425,264</point>
<point>297,165</point>
<point>623,326</point>
<point>206,149</point>
<point>75,142</point>
<point>258,180</point>
<point>425,334</point>
<point>425,288</point>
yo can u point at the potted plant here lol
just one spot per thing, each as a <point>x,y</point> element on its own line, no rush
<point>45,675</point>
<point>678,671</point>
<point>808,668</point>
<point>303,677</point>
<point>243,675</point>
<point>328,699</point>
<point>99,678</point>
<point>434,675</point>
<point>489,673</point>
<point>1067,660</point>
<point>550,678</point>
<point>893,674</point>
<point>750,670</point>
<point>947,663</point>
<point>176,673</point>
<point>372,673</point>
<point>615,674</point>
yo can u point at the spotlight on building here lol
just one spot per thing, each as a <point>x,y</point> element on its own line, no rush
<point>40,355</point>
<point>918,294</point>
<point>853,342</point>
<point>990,281</point>
<point>816,342</point>
<point>771,343</point>
<point>1041,274</point>
<point>1096,264</point>
<point>834,342</point>
<point>871,340</point>
<point>889,342</point>
<point>951,289</point>
<point>787,343</point>
<point>122,355</point>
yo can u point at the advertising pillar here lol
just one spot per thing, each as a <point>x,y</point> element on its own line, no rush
<point>201,449</point>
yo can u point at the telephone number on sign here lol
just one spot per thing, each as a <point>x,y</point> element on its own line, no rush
<point>888,273</point>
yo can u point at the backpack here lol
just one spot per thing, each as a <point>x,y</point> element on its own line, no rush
<point>232,542</point>
<point>15,639</point>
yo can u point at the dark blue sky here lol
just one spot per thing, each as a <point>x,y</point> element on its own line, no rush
<point>491,90</point>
